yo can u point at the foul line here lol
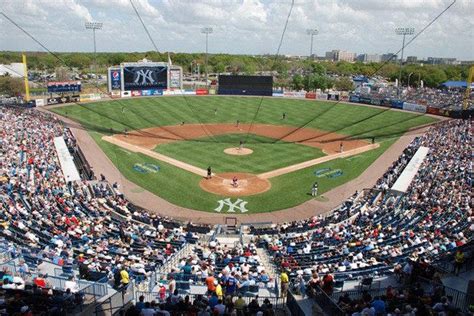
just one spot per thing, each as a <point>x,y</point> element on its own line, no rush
<point>309,163</point>
<point>150,153</point>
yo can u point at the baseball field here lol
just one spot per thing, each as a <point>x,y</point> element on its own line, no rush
<point>275,148</point>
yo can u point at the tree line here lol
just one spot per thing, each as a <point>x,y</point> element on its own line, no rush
<point>290,72</point>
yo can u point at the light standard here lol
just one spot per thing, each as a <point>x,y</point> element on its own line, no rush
<point>94,26</point>
<point>403,31</point>
<point>311,33</point>
<point>408,83</point>
<point>207,31</point>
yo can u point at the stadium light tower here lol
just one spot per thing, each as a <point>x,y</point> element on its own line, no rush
<point>207,31</point>
<point>94,26</point>
<point>311,33</point>
<point>403,31</point>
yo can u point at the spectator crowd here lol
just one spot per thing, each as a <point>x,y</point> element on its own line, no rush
<point>90,225</point>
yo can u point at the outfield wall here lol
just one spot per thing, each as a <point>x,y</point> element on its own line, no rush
<point>331,96</point>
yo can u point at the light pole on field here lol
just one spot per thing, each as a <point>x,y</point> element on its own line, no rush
<point>311,33</point>
<point>403,31</point>
<point>94,26</point>
<point>207,31</point>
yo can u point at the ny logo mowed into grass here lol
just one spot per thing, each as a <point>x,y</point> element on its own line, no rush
<point>231,207</point>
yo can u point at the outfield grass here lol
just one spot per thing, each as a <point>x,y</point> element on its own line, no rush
<point>182,188</point>
<point>266,155</point>
<point>354,120</point>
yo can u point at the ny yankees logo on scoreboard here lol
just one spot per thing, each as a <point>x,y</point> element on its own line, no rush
<point>231,207</point>
<point>145,75</point>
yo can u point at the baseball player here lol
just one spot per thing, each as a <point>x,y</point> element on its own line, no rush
<point>237,123</point>
<point>209,173</point>
<point>314,189</point>
<point>341,147</point>
<point>283,116</point>
<point>235,182</point>
<point>241,145</point>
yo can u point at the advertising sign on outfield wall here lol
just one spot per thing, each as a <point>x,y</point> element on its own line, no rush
<point>278,94</point>
<point>333,97</point>
<point>354,98</point>
<point>39,102</point>
<point>189,92</point>
<point>65,99</point>
<point>375,101</point>
<point>136,93</point>
<point>432,110</point>
<point>322,96</point>
<point>126,94</point>
<point>89,97</point>
<point>310,95</point>
<point>64,86</point>
<point>365,100</point>
<point>397,104</point>
<point>175,78</point>
<point>202,92</point>
<point>294,94</point>
<point>115,79</point>
<point>414,107</point>
<point>173,92</point>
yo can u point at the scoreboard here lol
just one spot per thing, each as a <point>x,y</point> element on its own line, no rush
<point>64,86</point>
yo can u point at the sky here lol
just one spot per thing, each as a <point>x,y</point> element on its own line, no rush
<point>241,26</point>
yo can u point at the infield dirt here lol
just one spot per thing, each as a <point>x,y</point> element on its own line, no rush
<point>329,143</point>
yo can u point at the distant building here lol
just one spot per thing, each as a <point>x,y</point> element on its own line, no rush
<point>340,55</point>
<point>412,59</point>
<point>14,70</point>
<point>441,61</point>
<point>389,57</point>
<point>369,58</point>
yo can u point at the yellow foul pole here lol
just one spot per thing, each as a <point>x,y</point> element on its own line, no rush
<point>25,76</point>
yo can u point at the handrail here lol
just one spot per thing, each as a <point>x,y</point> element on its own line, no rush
<point>172,260</point>
<point>460,299</point>
<point>327,303</point>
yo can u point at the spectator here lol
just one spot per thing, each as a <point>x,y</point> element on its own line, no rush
<point>240,304</point>
<point>458,261</point>
<point>219,308</point>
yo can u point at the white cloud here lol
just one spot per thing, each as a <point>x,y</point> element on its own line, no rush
<point>242,26</point>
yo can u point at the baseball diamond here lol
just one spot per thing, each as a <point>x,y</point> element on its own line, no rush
<point>185,135</point>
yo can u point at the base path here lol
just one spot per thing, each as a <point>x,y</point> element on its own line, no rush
<point>153,154</point>
<point>328,142</point>
<point>313,162</point>
<point>247,184</point>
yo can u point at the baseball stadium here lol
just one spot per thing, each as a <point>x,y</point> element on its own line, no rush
<point>179,137</point>
<point>147,177</point>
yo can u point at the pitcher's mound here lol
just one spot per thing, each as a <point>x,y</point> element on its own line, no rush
<point>237,151</point>
<point>247,184</point>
